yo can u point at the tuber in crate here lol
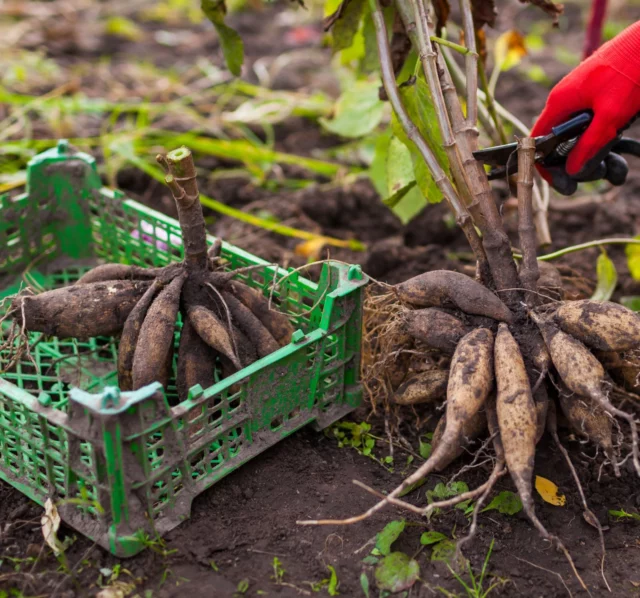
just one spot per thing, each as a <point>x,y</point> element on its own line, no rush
<point>125,466</point>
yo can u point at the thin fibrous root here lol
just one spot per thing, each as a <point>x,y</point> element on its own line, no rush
<point>497,472</point>
<point>425,511</point>
<point>470,382</point>
<point>589,515</point>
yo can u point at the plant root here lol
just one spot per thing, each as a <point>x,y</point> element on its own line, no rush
<point>223,332</point>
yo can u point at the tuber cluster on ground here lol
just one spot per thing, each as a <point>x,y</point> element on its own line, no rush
<point>223,320</point>
<point>503,350</point>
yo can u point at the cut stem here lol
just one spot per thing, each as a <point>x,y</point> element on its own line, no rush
<point>184,187</point>
<point>529,273</point>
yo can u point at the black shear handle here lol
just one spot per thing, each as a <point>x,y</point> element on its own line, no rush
<point>626,145</point>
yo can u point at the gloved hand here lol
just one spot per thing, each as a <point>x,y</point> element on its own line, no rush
<point>608,84</point>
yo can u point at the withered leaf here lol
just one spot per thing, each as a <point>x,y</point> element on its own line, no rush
<point>551,8</point>
<point>442,10</point>
<point>484,13</point>
<point>344,23</point>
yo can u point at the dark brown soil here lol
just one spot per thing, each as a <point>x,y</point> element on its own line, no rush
<point>241,524</point>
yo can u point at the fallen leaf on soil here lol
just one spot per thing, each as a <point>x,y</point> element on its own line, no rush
<point>311,249</point>
<point>549,492</point>
<point>590,518</point>
<point>506,503</point>
<point>50,522</point>
<point>397,572</point>
<point>431,537</point>
<point>389,535</point>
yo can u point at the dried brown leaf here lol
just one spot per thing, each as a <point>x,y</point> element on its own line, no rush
<point>484,13</point>
<point>551,8</point>
<point>442,9</point>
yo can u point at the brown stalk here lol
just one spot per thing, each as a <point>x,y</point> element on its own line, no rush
<point>483,207</point>
<point>183,185</point>
<point>427,57</point>
<point>529,272</point>
<point>456,76</point>
<point>440,178</point>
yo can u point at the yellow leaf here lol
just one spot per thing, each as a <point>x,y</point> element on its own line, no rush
<point>509,50</point>
<point>311,249</point>
<point>549,492</point>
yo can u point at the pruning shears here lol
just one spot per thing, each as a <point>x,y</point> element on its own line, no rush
<point>552,151</point>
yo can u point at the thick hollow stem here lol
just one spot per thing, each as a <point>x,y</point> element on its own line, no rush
<point>540,199</point>
<point>444,185</point>
<point>529,273</point>
<point>483,207</point>
<point>184,187</point>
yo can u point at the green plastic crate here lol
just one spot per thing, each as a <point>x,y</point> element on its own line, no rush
<point>124,467</point>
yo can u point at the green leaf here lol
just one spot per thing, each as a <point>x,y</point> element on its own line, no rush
<point>400,177</point>
<point>444,551</point>
<point>230,40</point>
<point>410,205</point>
<point>607,278</point>
<point>243,586</point>
<point>442,491</point>
<point>378,170</point>
<point>357,112</point>
<point>369,62</point>
<point>333,582</point>
<point>507,503</point>
<point>412,487</point>
<point>419,105</point>
<point>465,506</point>
<point>389,535</point>
<point>633,259</point>
<point>345,23</point>
<point>370,560</point>
<point>431,537</point>
<point>123,27</point>
<point>364,583</point>
<point>397,572</point>
<point>622,514</point>
<point>632,302</point>
<point>425,450</point>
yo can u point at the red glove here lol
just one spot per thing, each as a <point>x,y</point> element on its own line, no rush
<point>608,83</point>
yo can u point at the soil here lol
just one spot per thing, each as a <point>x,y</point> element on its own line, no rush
<point>239,526</point>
